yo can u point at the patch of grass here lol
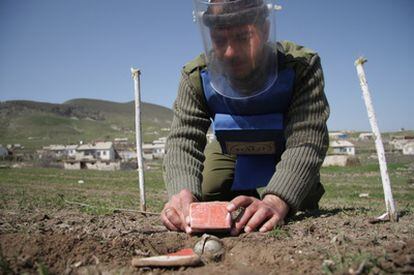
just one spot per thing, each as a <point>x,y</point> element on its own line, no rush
<point>30,188</point>
<point>4,265</point>
<point>351,263</point>
<point>344,185</point>
<point>279,233</point>
<point>370,167</point>
<point>42,269</point>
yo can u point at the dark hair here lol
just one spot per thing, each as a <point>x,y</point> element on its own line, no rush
<point>235,12</point>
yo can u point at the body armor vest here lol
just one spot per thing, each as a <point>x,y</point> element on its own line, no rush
<point>251,128</point>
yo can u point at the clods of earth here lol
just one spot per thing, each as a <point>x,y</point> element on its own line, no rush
<point>68,241</point>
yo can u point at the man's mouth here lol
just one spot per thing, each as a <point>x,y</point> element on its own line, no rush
<point>236,65</point>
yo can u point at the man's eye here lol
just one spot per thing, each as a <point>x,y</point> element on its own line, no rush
<point>219,41</point>
<point>243,37</point>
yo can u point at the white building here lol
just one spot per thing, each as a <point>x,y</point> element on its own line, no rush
<point>340,160</point>
<point>94,156</point>
<point>342,147</point>
<point>147,152</point>
<point>399,144</point>
<point>158,150</point>
<point>408,148</point>
<point>60,151</point>
<point>92,165</point>
<point>56,150</point>
<point>161,140</point>
<point>366,136</point>
<point>123,140</point>
<point>127,154</point>
<point>338,135</point>
<point>153,151</point>
<point>71,150</point>
<point>98,150</point>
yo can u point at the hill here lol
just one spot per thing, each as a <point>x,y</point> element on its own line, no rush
<point>34,124</point>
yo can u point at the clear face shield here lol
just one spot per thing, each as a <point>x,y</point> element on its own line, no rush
<point>239,41</point>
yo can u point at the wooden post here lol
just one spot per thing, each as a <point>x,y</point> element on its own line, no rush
<point>389,200</point>
<point>137,87</point>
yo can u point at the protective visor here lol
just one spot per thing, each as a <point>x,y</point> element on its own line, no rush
<point>239,42</point>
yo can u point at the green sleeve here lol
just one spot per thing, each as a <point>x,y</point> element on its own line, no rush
<point>305,132</point>
<point>183,162</point>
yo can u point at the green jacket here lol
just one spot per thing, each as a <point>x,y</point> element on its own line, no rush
<point>305,130</point>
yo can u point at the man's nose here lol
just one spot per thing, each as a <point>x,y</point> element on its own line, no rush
<point>230,51</point>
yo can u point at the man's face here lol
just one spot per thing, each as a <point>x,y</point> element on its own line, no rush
<point>239,49</point>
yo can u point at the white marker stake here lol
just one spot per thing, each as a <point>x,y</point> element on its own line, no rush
<point>389,201</point>
<point>135,75</point>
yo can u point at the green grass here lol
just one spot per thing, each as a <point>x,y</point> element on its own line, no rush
<point>344,262</point>
<point>4,265</point>
<point>371,167</point>
<point>279,233</point>
<point>31,188</point>
<point>343,186</point>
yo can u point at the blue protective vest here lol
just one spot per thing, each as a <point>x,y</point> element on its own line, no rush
<point>251,128</point>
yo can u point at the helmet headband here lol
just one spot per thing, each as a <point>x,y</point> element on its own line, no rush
<point>256,14</point>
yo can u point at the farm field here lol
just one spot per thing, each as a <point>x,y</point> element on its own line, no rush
<point>55,221</point>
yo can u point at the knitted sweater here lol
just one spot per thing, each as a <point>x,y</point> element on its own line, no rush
<point>305,131</point>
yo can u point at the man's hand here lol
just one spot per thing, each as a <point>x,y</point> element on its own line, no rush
<point>266,213</point>
<point>175,213</point>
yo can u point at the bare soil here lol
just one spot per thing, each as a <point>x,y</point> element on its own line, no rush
<point>68,241</point>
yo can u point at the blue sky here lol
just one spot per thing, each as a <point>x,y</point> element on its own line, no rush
<point>56,50</point>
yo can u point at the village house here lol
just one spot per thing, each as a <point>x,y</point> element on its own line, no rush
<point>158,150</point>
<point>123,141</point>
<point>55,150</point>
<point>366,136</point>
<point>127,154</point>
<point>408,148</point>
<point>155,150</point>
<point>95,156</point>
<point>161,140</point>
<point>340,160</point>
<point>58,151</point>
<point>71,150</point>
<point>399,142</point>
<point>98,150</point>
<point>125,149</point>
<point>147,152</point>
<point>342,147</point>
<point>338,135</point>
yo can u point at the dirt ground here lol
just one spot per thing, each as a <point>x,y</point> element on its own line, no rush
<point>68,241</point>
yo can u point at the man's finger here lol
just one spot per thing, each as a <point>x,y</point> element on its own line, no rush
<point>168,224</point>
<point>239,201</point>
<point>248,213</point>
<point>174,218</point>
<point>186,197</point>
<point>270,224</point>
<point>261,216</point>
<point>185,208</point>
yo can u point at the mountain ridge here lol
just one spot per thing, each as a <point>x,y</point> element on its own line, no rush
<point>35,123</point>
